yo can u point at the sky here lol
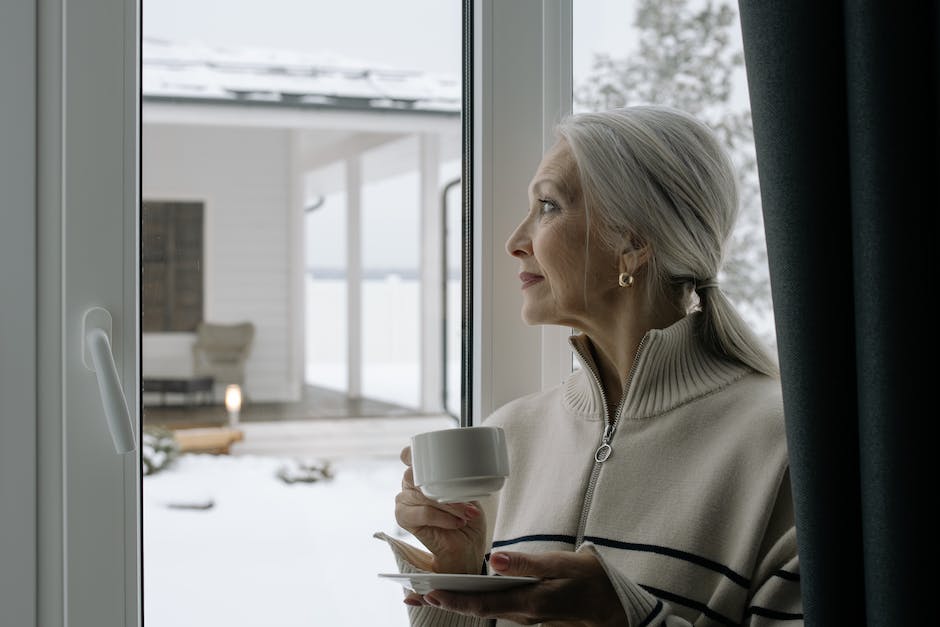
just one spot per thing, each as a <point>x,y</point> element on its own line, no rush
<point>413,34</point>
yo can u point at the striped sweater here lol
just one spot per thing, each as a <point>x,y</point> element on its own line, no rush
<point>690,515</point>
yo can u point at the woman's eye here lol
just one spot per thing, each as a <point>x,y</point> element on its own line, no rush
<point>547,206</point>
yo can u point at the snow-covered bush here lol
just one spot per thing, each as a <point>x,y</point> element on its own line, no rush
<point>158,448</point>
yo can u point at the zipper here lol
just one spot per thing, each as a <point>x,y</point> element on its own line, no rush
<point>604,450</point>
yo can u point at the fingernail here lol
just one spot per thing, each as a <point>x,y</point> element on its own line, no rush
<point>413,602</point>
<point>432,601</point>
<point>499,561</point>
<point>471,511</point>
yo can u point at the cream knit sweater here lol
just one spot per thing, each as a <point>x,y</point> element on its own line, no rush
<point>691,514</point>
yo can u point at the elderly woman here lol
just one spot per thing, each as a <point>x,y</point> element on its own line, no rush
<point>650,487</point>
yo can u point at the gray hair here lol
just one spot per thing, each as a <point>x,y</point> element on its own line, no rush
<point>658,175</point>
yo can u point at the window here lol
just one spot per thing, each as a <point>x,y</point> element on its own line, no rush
<point>321,151</point>
<point>95,525</point>
<point>688,55</point>
<point>171,266</point>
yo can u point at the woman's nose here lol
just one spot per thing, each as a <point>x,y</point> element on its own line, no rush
<point>519,243</point>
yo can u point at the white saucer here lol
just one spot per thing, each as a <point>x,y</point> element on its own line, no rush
<point>422,583</point>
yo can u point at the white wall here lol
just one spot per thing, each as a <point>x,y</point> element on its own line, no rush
<point>243,175</point>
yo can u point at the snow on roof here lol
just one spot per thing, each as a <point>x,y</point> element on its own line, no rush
<point>200,73</point>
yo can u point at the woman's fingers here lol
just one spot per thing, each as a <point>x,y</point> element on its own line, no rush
<point>411,495</point>
<point>550,565</point>
<point>405,456</point>
<point>414,599</point>
<point>515,605</point>
<point>417,517</point>
<point>413,514</point>
<point>408,479</point>
<point>572,586</point>
<point>526,605</point>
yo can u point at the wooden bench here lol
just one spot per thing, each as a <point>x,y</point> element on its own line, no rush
<point>214,440</point>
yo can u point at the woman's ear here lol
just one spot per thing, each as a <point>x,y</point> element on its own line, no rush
<point>635,254</point>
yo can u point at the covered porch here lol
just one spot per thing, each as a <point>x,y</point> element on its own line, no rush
<point>261,145</point>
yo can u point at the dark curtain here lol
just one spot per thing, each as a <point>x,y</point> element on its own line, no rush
<point>845,110</point>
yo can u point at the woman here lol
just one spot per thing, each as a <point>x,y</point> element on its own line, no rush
<point>651,487</point>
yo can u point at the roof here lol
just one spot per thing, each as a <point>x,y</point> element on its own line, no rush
<point>194,72</point>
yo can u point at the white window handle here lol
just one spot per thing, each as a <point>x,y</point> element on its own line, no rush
<point>97,356</point>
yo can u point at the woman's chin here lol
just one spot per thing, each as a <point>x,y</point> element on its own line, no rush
<point>534,318</point>
<point>529,319</point>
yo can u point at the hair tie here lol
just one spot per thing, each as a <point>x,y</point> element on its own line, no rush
<point>704,284</point>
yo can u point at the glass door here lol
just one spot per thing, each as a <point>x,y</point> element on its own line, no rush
<point>295,172</point>
<point>240,166</point>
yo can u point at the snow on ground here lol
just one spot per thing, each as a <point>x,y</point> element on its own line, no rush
<point>268,553</point>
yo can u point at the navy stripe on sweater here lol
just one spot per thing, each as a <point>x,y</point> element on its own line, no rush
<point>784,574</point>
<point>775,614</point>
<point>698,560</point>
<point>653,614</point>
<point>695,605</point>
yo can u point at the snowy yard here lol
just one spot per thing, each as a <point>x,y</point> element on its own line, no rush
<point>268,553</point>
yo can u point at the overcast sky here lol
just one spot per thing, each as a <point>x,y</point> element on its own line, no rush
<point>413,34</point>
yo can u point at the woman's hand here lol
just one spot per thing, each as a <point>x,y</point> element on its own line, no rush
<point>454,533</point>
<point>574,591</point>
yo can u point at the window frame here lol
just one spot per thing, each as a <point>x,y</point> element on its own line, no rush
<point>521,86</point>
<point>88,533</point>
<point>18,347</point>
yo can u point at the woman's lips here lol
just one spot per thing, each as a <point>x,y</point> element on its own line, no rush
<point>528,279</point>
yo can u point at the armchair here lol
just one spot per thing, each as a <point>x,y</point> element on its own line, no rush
<point>221,350</point>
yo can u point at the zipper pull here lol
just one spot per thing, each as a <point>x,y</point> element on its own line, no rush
<point>602,454</point>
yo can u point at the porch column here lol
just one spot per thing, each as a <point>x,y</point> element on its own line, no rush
<point>432,314</point>
<point>354,276</point>
<point>296,263</point>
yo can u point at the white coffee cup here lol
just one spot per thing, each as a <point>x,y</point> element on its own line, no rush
<point>462,464</point>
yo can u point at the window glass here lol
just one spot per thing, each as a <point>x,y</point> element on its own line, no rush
<point>686,54</point>
<point>320,148</point>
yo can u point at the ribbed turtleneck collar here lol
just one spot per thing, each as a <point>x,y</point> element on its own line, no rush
<point>672,367</point>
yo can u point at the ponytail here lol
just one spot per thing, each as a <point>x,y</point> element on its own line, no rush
<point>725,333</point>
